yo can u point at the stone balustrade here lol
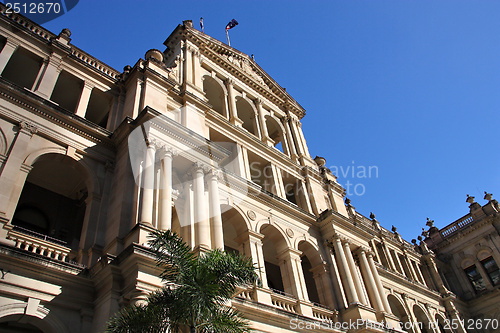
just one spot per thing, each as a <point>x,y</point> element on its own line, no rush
<point>39,244</point>
<point>284,302</point>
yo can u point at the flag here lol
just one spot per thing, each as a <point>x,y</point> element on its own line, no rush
<point>201,23</point>
<point>231,24</point>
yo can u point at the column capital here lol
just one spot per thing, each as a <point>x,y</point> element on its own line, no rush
<point>27,128</point>
<point>165,151</point>
<point>229,81</point>
<point>258,101</point>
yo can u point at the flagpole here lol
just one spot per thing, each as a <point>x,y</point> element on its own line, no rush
<point>227,34</point>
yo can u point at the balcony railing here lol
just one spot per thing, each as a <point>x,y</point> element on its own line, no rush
<point>44,245</point>
<point>324,313</point>
<point>457,225</point>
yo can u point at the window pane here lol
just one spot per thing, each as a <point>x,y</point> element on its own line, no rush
<point>491,268</point>
<point>475,278</point>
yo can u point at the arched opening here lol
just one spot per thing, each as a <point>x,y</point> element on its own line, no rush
<point>273,244</point>
<point>21,323</point>
<point>442,326</point>
<point>17,327</point>
<point>246,115</point>
<point>311,266</point>
<point>399,311</point>
<point>52,202</point>
<point>275,133</point>
<point>233,227</point>
<point>422,319</point>
<point>215,95</point>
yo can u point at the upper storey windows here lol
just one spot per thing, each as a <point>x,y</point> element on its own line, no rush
<point>246,112</point>
<point>23,68</point>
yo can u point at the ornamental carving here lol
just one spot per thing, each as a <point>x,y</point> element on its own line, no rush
<point>251,215</point>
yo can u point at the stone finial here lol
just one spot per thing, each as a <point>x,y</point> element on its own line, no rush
<point>320,161</point>
<point>419,238</point>
<point>469,199</point>
<point>154,54</point>
<point>127,69</point>
<point>429,223</point>
<point>414,241</point>
<point>188,23</point>
<point>425,233</point>
<point>372,216</point>
<point>65,33</point>
<point>394,229</point>
<point>488,196</point>
<point>347,201</point>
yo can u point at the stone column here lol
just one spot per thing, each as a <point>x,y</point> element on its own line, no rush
<point>252,248</point>
<point>387,254</point>
<point>345,275</point>
<point>278,182</point>
<point>291,263</point>
<point>49,78</point>
<point>215,213</point>
<point>322,282</point>
<point>371,285</point>
<point>398,264</point>
<point>375,250</point>
<point>148,174</point>
<point>197,70</point>
<point>188,64</point>
<point>81,110</point>
<point>233,112</point>
<point>291,145</point>
<point>379,284</point>
<point>202,225</point>
<point>354,273</point>
<point>165,222</point>
<point>420,275</point>
<point>340,295</point>
<point>10,181</point>
<point>8,50</point>
<point>410,267</point>
<point>262,122</point>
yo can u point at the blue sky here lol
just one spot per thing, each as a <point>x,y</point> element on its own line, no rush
<point>409,87</point>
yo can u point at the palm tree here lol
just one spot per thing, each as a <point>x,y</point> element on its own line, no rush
<point>195,294</point>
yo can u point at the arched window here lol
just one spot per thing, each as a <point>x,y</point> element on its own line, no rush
<point>247,116</point>
<point>274,243</point>
<point>52,201</point>
<point>215,95</point>
<point>275,133</point>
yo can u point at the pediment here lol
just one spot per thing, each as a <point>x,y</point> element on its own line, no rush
<point>237,63</point>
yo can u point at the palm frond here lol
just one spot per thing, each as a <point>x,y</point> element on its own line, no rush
<point>172,254</point>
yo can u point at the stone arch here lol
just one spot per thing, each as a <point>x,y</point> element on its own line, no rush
<point>216,93</point>
<point>441,323</point>
<point>276,133</point>
<point>483,253</point>
<point>93,184</point>
<point>248,114</point>
<point>398,309</point>
<point>57,180</point>
<point>423,321</point>
<point>467,261</point>
<point>312,264</point>
<point>3,143</point>
<point>42,318</point>
<point>235,228</point>
<point>274,244</point>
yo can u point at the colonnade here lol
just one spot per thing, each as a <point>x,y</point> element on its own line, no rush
<point>206,217</point>
<point>355,284</point>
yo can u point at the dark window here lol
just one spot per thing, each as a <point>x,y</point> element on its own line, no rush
<point>491,268</point>
<point>22,68</point>
<point>475,278</point>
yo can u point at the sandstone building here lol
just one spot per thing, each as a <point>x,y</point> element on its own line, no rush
<point>198,139</point>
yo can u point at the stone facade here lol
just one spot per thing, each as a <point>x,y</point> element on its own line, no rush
<point>200,140</point>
